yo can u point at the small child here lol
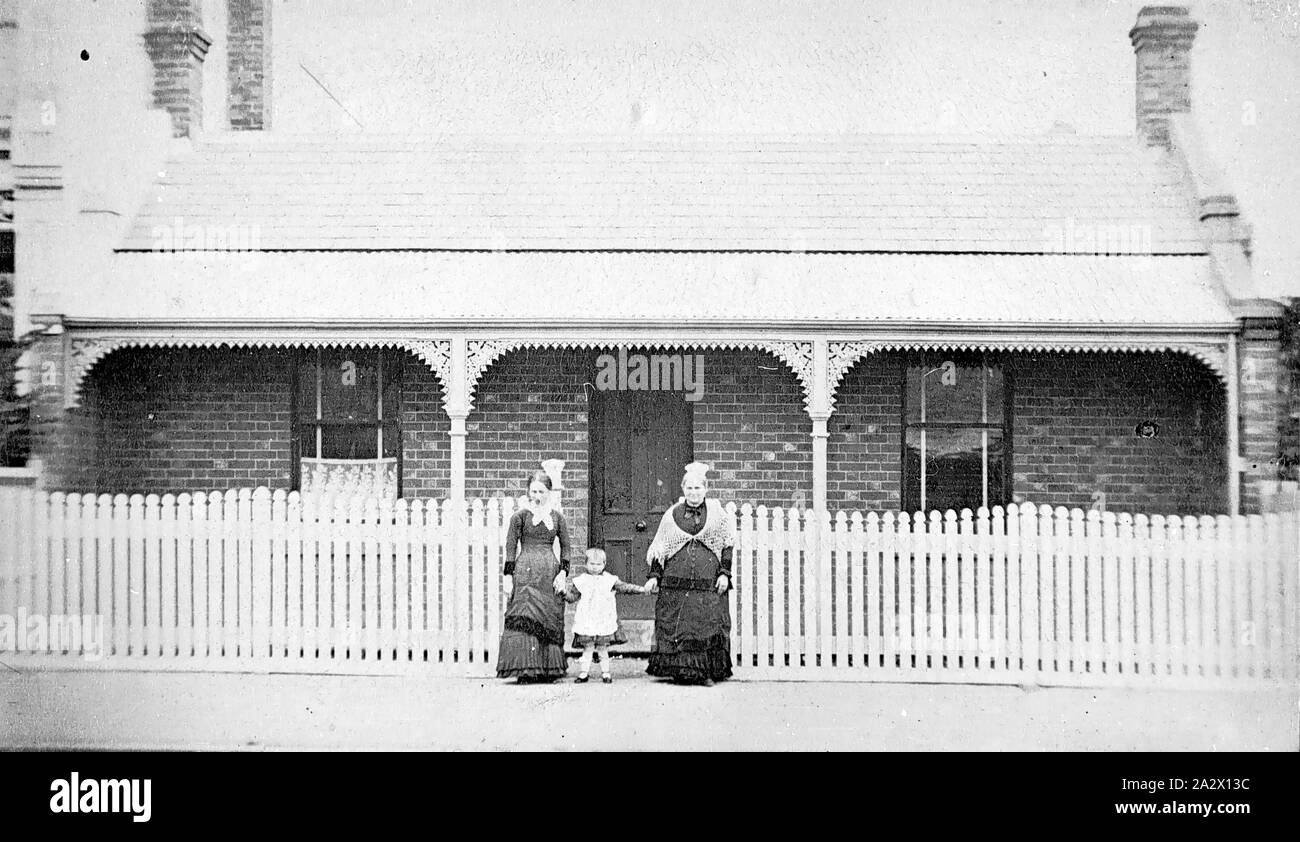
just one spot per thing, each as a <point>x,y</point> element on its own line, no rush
<point>595,626</point>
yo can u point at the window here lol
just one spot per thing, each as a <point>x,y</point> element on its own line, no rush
<point>347,431</point>
<point>956,433</point>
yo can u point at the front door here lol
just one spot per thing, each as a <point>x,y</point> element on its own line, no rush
<point>640,440</point>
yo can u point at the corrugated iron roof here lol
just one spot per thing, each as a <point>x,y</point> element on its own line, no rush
<point>572,288</point>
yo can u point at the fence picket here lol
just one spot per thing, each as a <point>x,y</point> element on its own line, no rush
<point>1142,596</point>
<point>1030,633</point>
<point>10,534</point>
<point>35,569</point>
<point>802,575</point>
<point>961,636</point>
<point>308,633</point>
<point>232,534</point>
<point>934,591</point>
<point>1078,577</point>
<point>475,604</point>
<point>1015,647</point>
<point>854,595</point>
<point>278,608</point>
<point>818,544</point>
<point>494,535</point>
<point>401,584</point>
<point>770,562</point>
<point>56,528</point>
<point>984,588</point>
<point>904,580</point>
<point>1191,597</point>
<point>89,560</point>
<point>1208,649</point>
<point>1271,562</point>
<point>1127,657</point>
<point>873,612</point>
<point>369,598</point>
<point>200,541</point>
<point>744,568</point>
<point>184,632</point>
<point>1059,592</point>
<point>290,645</point>
<point>165,645</point>
<point>418,541</point>
<point>1161,633</point>
<point>890,650</point>
<point>1177,597</point>
<point>73,567</point>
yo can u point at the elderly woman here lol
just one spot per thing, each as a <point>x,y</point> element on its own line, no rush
<point>690,569</point>
<point>533,635</point>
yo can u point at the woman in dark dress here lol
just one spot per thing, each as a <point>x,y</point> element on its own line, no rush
<point>690,569</point>
<point>533,635</point>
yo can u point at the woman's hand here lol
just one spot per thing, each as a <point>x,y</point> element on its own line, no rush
<point>723,583</point>
<point>508,586</point>
<point>651,585</point>
<point>561,582</point>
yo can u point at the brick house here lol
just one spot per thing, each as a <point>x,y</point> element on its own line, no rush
<point>876,322</point>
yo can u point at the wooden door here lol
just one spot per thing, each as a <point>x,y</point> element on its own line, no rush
<point>640,441</point>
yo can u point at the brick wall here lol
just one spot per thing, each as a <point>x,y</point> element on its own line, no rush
<point>194,419</point>
<point>863,452</point>
<point>64,442</point>
<point>248,41</point>
<point>163,420</point>
<point>750,425</point>
<point>426,446</point>
<point>1263,404</point>
<point>1073,435</point>
<point>531,405</point>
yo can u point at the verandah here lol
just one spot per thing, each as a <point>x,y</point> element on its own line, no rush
<point>261,580</point>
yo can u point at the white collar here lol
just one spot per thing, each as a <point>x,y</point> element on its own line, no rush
<point>541,516</point>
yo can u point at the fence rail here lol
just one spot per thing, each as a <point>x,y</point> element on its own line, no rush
<point>269,581</point>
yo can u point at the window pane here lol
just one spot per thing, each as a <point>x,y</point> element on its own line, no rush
<point>954,391</point>
<point>392,386</point>
<point>349,385</point>
<point>955,469</point>
<point>349,443</point>
<point>307,388</point>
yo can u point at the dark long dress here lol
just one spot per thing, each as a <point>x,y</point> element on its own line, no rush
<point>692,624</point>
<point>533,635</point>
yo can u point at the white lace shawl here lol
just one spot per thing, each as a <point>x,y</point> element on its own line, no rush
<point>718,533</point>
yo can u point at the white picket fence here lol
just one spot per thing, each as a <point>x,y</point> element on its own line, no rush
<point>254,580</point>
<point>1026,596</point>
<point>262,581</point>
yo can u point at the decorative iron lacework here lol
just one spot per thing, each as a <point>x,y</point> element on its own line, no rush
<point>844,355</point>
<point>85,354</point>
<point>481,354</point>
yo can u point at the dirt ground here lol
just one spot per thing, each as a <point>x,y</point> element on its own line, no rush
<point>140,710</point>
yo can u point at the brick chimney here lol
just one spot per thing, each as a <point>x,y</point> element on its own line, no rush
<point>177,45</point>
<point>248,77</point>
<point>1162,39</point>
